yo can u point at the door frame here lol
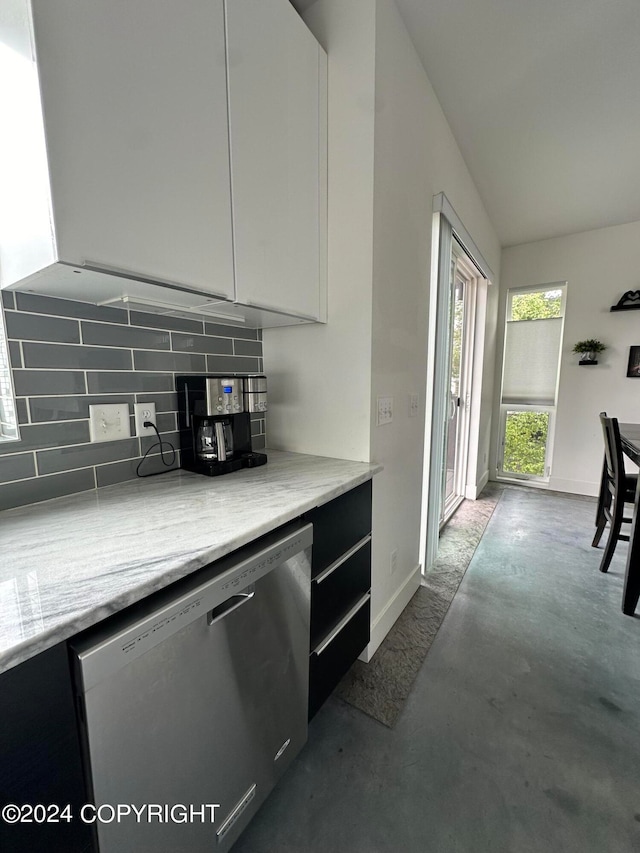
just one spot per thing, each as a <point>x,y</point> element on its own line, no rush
<point>445,224</point>
<point>468,275</point>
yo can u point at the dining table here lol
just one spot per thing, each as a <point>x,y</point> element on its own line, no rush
<point>630,440</point>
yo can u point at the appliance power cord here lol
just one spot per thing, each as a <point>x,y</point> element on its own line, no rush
<point>159,443</point>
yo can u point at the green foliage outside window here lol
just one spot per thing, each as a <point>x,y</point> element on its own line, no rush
<point>525,438</point>
<point>525,443</point>
<point>536,306</point>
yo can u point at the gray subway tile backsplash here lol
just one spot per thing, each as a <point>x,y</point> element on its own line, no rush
<point>18,467</point>
<point>174,324</point>
<point>220,331</point>
<point>85,455</point>
<point>118,472</point>
<point>167,421</point>
<point>167,424</point>
<point>119,356</point>
<point>181,342</point>
<point>86,358</point>
<point>38,436</point>
<point>176,362</point>
<point>128,383</point>
<point>105,334</point>
<point>163,402</point>
<point>70,408</point>
<point>22,409</point>
<point>257,426</point>
<point>44,488</point>
<point>32,383</point>
<point>148,441</point>
<point>38,327</point>
<point>233,364</point>
<point>69,308</point>
<point>15,355</point>
<point>247,348</point>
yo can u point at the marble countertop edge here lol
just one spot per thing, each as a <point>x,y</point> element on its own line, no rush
<point>116,585</point>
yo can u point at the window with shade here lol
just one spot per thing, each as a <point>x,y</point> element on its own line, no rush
<point>531,364</point>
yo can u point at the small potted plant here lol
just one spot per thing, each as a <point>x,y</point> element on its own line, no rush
<point>589,350</point>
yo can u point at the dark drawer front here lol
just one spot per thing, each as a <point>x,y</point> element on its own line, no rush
<point>328,665</point>
<point>40,758</point>
<point>339,525</point>
<point>337,589</point>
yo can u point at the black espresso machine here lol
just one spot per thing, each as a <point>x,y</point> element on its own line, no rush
<point>214,419</point>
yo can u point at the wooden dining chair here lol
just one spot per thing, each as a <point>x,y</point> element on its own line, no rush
<point>616,488</point>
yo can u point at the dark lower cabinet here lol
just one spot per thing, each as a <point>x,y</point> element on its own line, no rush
<point>331,659</point>
<point>41,761</point>
<point>340,589</point>
<point>40,754</point>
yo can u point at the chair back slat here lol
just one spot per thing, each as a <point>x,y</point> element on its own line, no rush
<point>616,488</point>
<point>614,461</point>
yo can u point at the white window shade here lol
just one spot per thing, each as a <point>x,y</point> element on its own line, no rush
<point>531,356</point>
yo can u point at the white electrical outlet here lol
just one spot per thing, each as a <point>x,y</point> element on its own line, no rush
<point>413,405</point>
<point>385,410</point>
<point>109,422</point>
<point>144,412</point>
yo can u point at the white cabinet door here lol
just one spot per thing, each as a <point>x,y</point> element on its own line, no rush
<point>135,104</point>
<point>276,72</point>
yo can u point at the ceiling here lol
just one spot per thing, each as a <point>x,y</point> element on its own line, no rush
<point>543,97</point>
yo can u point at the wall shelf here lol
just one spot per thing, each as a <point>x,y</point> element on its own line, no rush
<point>629,301</point>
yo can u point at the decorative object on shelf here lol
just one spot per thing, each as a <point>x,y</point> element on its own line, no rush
<point>633,368</point>
<point>629,301</point>
<point>589,349</point>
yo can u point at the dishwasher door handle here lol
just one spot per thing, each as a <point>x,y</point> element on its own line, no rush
<point>230,605</point>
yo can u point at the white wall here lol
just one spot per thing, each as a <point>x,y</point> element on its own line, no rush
<point>324,381</point>
<point>599,267</point>
<point>320,376</point>
<point>416,157</point>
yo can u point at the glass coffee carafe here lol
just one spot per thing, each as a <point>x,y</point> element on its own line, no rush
<point>214,440</point>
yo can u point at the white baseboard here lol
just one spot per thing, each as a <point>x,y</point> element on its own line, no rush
<point>574,487</point>
<point>472,492</point>
<point>385,620</point>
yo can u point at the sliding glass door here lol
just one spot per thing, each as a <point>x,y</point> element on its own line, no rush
<point>457,392</point>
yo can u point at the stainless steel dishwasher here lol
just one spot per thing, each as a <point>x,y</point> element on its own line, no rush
<point>196,698</point>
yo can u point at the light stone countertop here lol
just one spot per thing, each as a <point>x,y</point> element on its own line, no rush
<point>68,563</point>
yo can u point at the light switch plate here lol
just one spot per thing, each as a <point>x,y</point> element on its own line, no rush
<point>385,410</point>
<point>109,422</point>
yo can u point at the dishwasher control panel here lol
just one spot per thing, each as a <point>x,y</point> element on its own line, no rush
<point>165,624</point>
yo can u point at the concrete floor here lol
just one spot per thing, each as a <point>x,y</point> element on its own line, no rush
<point>522,731</point>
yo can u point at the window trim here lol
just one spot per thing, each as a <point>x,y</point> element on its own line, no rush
<point>548,454</point>
<point>531,479</point>
<point>536,288</point>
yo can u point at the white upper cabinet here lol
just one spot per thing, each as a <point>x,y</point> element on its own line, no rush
<point>276,77</point>
<point>173,155</point>
<point>134,104</point>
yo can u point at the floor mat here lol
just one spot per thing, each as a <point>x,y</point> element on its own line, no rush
<point>381,687</point>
